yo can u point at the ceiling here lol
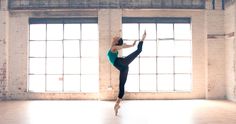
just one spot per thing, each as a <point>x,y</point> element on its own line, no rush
<point>136,4</point>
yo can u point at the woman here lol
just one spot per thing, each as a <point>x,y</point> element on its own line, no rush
<point>122,64</point>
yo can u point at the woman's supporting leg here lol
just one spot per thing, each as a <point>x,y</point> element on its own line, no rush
<point>128,59</point>
<point>123,78</point>
<point>122,64</point>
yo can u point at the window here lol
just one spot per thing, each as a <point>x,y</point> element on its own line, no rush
<point>63,55</point>
<point>165,63</point>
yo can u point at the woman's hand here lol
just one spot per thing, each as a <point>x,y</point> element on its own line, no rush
<point>144,35</point>
<point>134,42</point>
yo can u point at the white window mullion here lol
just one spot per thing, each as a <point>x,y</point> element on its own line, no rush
<point>62,57</point>
<point>170,46</point>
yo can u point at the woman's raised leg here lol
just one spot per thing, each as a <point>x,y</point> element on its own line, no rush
<point>128,59</point>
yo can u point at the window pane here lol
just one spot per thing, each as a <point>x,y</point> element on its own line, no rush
<point>54,31</point>
<point>132,83</point>
<point>37,48</point>
<point>54,82</point>
<point>89,83</point>
<point>72,65</point>
<point>72,31</point>
<point>71,48</point>
<point>54,49</point>
<point>165,48</point>
<point>183,65</point>
<point>134,67</point>
<point>165,65</point>
<point>62,45</point>
<point>126,52</point>
<point>89,32</point>
<point>37,83</point>
<point>148,83</point>
<point>130,31</point>
<point>38,32</point>
<point>182,31</point>
<point>147,65</point>
<point>54,65</point>
<point>165,83</point>
<point>165,31</point>
<point>150,29</point>
<point>89,48</point>
<point>37,66</point>
<point>183,82</point>
<point>166,52</point>
<point>183,48</point>
<point>89,66</point>
<point>71,83</point>
<point>149,48</point>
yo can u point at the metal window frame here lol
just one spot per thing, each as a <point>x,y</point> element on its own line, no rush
<point>158,20</point>
<point>63,21</point>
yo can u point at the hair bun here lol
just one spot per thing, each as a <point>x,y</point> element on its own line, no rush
<point>120,41</point>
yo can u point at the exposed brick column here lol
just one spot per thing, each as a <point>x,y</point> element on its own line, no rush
<point>3,49</point>
<point>215,84</point>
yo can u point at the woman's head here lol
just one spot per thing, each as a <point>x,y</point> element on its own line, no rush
<point>120,41</point>
<point>117,41</point>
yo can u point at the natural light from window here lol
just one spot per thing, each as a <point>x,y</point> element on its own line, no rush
<point>165,64</point>
<point>63,57</point>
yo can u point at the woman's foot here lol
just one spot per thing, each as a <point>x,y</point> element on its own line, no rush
<point>116,108</point>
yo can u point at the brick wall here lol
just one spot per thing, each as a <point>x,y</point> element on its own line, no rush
<point>18,26</point>
<point>3,50</point>
<point>213,74</point>
<point>215,49</point>
<point>109,21</point>
<point>230,52</point>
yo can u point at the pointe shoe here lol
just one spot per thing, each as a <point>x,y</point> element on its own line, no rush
<point>116,108</point>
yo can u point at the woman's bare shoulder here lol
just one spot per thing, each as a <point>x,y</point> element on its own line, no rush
<point>113,49</point>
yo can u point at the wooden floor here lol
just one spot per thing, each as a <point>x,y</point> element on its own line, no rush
<point>131,112</point>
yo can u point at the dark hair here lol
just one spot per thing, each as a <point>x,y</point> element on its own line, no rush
<point>120,42</point>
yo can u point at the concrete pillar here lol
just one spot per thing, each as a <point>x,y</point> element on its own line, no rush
<point>109,21</point>
<point>230,52</point>
<point>215,85</point>
<point>3,48</point>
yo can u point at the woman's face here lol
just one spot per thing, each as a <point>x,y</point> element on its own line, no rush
<point>115,39</point>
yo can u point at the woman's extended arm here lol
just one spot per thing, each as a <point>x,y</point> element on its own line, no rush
<point>128,46</point>
<point>117,47</point>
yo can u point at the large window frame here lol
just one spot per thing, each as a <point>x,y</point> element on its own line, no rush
<point>156,71</point>
<point>67,66</point>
